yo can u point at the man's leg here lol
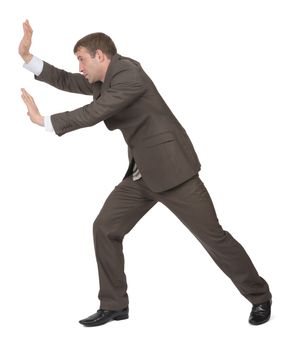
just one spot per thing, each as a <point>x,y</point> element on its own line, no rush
<point>124,207</point>
<point>191,203</point>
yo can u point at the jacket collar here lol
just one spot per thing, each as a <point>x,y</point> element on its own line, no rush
<point>110,71</point>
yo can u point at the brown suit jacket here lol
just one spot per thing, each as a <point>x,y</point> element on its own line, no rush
<point>128,100</point>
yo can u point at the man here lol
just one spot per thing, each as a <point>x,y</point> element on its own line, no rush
<point>163,167</point>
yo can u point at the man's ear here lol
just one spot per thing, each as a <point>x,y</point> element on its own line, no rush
<point>100,55</point>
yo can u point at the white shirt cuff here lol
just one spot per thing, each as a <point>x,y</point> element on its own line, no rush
<point>35,65</point>
<point>48,123</point>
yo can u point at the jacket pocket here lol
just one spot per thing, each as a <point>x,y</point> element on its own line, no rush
<point>158,139</point>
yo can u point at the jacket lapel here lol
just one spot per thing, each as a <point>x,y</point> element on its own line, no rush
<point>97,90</point>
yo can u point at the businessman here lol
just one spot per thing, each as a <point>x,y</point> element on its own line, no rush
<point>163,167</point>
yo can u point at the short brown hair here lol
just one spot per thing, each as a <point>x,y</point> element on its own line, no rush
<point>95,41</point>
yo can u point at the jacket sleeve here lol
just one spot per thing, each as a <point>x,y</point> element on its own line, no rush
<point>125,87</point>
<point>71,82</point>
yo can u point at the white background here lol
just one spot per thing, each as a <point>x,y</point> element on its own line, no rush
<point>218,66</point>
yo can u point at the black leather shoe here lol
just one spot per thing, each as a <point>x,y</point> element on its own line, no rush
<point>104,316</point>
<point>260,313</point>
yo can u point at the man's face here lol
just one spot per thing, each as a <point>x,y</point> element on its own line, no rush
<point>89,66</point>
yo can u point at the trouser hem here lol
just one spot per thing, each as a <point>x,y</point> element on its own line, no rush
<point>113,307</point>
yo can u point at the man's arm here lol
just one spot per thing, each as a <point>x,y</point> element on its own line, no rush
<point>126,87</point>
<point>35,65</point>
<point>71,82</point>
<point>66,81</point>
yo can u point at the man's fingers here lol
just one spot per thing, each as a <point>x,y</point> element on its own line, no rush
<point>27,97</point>
<point>27,27</point>
<point>27,94</point>
<point>24,94</point>
<point>27,103</point>
<point>27,35</point>
<point>27,23</point>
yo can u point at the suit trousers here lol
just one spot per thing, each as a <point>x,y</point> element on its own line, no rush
<point>191,203</point>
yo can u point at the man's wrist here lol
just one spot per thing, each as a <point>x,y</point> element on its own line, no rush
<point>27,58</point>
<point>37,119</point>
<point>40,120</point>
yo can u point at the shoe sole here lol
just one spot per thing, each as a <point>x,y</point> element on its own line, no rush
<point>117,318</point>
<point>259,323</point>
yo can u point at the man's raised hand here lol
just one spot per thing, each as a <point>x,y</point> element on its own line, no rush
<point>25,43</point>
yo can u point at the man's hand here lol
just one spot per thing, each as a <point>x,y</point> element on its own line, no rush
<point>25,43</point>
<point>32,110</point>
